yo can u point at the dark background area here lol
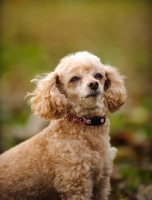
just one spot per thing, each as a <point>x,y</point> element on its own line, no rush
<point>35,35</point>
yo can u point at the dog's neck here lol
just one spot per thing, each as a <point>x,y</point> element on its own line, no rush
<point>92,121</point>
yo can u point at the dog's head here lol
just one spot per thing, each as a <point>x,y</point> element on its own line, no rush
<point>80,85</point>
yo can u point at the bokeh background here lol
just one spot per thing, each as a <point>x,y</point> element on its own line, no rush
<point>35,35</point>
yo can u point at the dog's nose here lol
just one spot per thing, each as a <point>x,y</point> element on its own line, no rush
<point>93,85</point>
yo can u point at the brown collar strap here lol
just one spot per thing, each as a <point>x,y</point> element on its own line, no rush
<point>92,121</point>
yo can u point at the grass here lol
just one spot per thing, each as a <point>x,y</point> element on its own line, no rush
<point>37,34</point>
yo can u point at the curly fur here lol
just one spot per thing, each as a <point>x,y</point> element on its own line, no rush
<point>66,160</point>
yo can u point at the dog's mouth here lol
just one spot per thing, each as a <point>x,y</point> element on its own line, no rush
<point>93,94</point>
<point>90,100</point>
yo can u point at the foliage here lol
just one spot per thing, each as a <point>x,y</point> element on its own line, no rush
<point>36,34</point>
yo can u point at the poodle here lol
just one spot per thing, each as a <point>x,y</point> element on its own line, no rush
<point>72,158</point>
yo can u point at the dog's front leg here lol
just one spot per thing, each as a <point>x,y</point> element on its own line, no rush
<point>73,184</point>
<point>101,189</point>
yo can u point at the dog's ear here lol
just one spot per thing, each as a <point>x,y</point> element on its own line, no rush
<point>115,92</point>
<point>47,101</point>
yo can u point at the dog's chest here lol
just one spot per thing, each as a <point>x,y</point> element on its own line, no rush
<point>83,151</point>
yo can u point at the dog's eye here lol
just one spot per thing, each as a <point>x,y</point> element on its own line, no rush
<point>74,79</point>
<point>98,76</point>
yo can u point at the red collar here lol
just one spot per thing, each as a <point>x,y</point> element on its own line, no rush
<point>92,121</point>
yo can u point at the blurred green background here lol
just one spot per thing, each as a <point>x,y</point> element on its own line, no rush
<point>35,35</point>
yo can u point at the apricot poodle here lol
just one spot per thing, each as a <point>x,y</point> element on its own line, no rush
<point>72,158</point>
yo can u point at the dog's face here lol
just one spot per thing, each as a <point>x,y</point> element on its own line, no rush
<point>80,85</point>
<point>84,84</point>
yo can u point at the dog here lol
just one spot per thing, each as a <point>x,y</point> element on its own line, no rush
<point>72,158</point>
